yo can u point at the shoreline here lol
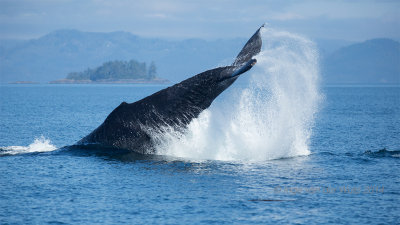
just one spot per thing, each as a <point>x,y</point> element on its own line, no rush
<point>110,81</point>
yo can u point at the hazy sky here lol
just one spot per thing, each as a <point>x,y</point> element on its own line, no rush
<point>210,19</point>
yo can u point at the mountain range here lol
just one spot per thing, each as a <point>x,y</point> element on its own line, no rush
<point>58,53</point>
<point>375,61</point>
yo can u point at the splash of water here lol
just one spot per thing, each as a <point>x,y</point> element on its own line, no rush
<point>39,145</point>
<point>270,117</point>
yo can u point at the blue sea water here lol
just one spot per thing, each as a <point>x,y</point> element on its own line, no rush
<point>351,175</point>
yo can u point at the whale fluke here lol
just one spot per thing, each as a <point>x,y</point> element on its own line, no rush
<point>250,49</point>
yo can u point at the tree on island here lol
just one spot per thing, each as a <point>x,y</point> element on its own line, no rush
<point>116,70</point>
<point>152,71</point>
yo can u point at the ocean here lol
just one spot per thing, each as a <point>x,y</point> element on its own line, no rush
<point>276,148</point>
<point>350,176</point>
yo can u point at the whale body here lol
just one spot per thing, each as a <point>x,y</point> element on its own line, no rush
<point>130,126</point>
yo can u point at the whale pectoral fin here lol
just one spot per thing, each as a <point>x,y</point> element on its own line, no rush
<point>252,48</point>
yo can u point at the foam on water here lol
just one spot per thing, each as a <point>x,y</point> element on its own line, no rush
<point>270,117</point>
<point>39,145</point>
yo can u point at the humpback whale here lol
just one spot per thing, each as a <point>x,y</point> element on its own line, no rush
<point>130,126</point>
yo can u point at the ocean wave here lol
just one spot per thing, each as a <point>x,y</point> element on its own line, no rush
<point>383,153</point>
<point>38,145</point>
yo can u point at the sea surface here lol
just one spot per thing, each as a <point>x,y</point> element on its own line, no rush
<point>350,173</point>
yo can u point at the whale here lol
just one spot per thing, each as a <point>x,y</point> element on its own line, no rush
<point>131,126</point>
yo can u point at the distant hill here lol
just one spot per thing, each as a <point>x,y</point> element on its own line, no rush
<point>374,61</point>
<point>328,46</point>
<point>53,56</point>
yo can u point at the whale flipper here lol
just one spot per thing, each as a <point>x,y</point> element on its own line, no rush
<point>130,126</point>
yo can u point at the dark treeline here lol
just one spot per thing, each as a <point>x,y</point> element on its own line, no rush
<point>117,70</point>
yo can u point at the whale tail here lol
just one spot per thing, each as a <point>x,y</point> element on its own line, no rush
<point>133,126</point>
<point>251,48</point>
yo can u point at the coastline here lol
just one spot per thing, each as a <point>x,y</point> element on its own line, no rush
<point>112,81</point>
<point>23,82</point>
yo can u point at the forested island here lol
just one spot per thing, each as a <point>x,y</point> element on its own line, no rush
<point>116,72</point>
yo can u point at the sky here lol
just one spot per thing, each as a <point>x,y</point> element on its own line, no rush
<point>355,20</point>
